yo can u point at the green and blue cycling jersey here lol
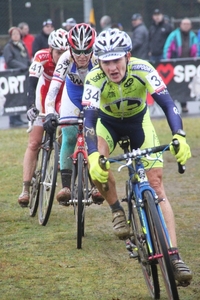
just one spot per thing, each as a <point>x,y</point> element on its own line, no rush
<point>122,108</point>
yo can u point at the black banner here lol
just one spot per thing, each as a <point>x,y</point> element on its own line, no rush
<point>182,77</point>
<point>13,92</point>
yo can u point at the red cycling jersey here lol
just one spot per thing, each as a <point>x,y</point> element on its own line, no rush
<point>40,75</point>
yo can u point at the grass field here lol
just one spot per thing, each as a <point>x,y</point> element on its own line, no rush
<point>39,262</point>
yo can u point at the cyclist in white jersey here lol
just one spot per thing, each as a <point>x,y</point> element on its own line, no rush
<point>72,68</point>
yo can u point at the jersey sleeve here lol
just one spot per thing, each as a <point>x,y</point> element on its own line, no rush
<point>91,96</point>
<point>36,68</point>
<point>170,110</point>
<point>157,88</point>
<point>154,82</point>
<point>90,120</point>
<point>59,75</point>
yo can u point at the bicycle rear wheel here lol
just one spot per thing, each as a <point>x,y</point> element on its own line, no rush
<point>160,246</point>
<point>149,269</point>
<point>35,186</point>
<point>48,181</point>
<point>80,195</point>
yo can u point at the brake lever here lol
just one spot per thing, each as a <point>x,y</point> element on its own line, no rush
<point>129,162</point>
<point>154,158</point>
<point>175,143</point>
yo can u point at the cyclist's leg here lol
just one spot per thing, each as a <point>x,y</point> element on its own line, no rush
<point>67,148</point>
<point>68,110</point>
<point>120,227</point>
<point>29,163</point>
<point>35,138</point>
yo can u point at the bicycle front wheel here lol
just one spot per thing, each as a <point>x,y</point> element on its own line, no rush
<point>48,181</point>
<point>149,269</point>
<point>80,195</point>
<point>138,239</point>
<point>35,186</point>
<point>160,246</point>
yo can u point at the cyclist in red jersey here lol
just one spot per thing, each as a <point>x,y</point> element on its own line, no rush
<point>40,74</point>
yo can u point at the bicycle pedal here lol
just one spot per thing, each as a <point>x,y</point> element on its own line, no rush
<point>124,200</point>
<point>133,254</point>
<point>24,205</point>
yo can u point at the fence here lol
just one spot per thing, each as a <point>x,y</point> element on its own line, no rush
<point>36,11</point>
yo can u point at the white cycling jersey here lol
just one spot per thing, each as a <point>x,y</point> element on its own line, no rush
<point>66,70</point>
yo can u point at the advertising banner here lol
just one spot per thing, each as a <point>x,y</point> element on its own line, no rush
<point>182,77</point>
<point>13,92</point>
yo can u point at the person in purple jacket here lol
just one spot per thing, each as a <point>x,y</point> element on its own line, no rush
<point>182,42</point>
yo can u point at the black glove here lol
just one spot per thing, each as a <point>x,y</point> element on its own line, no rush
<point>50,123</point>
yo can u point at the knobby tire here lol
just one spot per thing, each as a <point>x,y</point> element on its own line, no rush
<point>82,189</point>
<point>149,270</point>
<point>160,246</point>
<point>48,182</point>
<point>35,186</point>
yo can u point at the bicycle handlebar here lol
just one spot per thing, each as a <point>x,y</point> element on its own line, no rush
<point>59,123</point>
<point>137,153</point>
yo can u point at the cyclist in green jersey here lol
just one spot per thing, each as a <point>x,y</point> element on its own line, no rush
<point>114,101</point>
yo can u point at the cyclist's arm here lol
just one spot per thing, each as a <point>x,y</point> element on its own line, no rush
<point>160,94</point>
<point>59,75</point>
<point>35,71</point>
<point>90,117</point>
<point>171,111</point>
<point>90,101</point>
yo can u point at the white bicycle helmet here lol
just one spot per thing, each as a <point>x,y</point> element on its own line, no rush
<point>58,39</point>
<point>112,44</point>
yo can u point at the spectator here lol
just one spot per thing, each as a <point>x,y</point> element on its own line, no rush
<point>105,22</point>
<point>27,38</point>
<point>158,33</point>
<point>117,25</point>
<point>182,42</point>
<point>69,23</point>
<point>41,40</point>
<point>139,37</point>
<point>16,57</point>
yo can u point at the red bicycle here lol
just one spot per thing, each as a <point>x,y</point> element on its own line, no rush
<point>81,184</point>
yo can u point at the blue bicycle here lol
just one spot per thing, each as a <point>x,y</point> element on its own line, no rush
<point>149,240</point>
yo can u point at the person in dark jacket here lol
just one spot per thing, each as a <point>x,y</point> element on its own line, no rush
<point>139,37</point>
<point>41,40</point>
<point>158,33</point>
<point>16,57</point>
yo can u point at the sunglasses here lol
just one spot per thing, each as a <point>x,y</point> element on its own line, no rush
<point>84,52</point>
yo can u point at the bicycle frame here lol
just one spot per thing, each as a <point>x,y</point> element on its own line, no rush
<point>81,186</point>
<point>80,145</point>
<point>80,148</point>
<point>139,185</point>
<point>151,230</point>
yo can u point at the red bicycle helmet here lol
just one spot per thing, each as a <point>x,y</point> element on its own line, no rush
<point>81,37</point>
